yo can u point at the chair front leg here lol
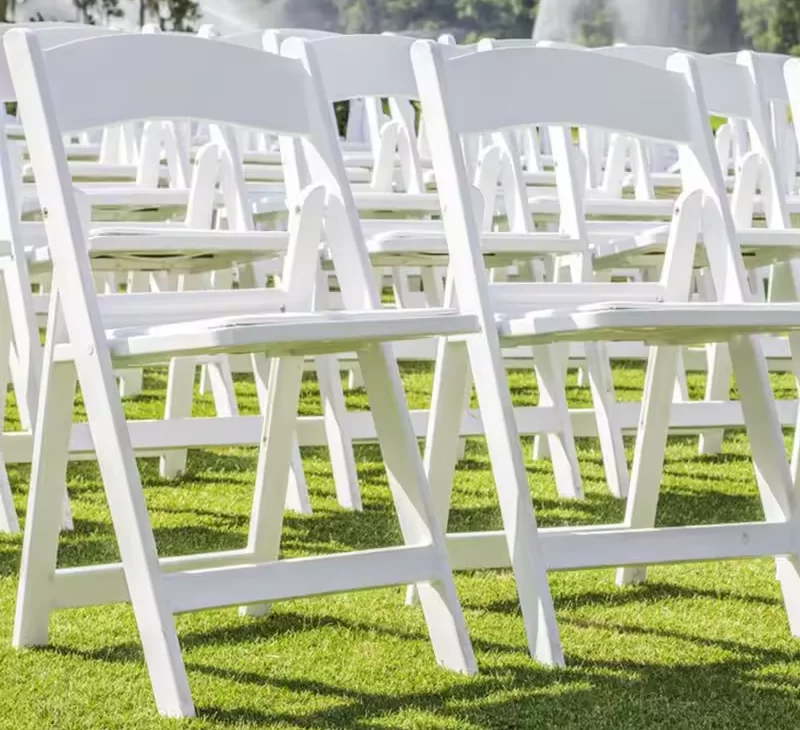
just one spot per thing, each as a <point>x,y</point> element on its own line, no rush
<point>516,507</point>
<point>776,488</point>
<point>415,507</point>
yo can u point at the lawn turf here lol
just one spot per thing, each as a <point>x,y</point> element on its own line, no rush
<point>698,646</point>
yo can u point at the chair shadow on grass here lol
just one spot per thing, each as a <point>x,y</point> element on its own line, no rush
<point>741,690</point>
<point>511,692</point>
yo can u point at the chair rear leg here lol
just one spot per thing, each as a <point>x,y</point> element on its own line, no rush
<point>776,488</point>
<point>220,380</point>
<point>8,513</point>
<point>516,507</point>
<point>337,431</point>
<point>282,395</point>
<point>450,382</point>
<point>552,394</point>
<point>718,386</point>
<point>44,514</point>
<point>612,444</point>
<point>650,449</point>
<point>297,499</point>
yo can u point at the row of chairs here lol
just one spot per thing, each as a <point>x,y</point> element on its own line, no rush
<point>338,432</point>
<point>470,99</point>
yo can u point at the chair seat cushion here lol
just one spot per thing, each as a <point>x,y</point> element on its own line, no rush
<point>655,323</point>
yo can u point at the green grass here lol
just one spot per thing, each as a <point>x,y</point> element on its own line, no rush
<point>698,646</point>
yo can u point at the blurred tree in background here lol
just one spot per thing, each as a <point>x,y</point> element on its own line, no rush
<point>703,25</point>
<point>787,27</point>
<point>771,25</point>
<point>468,18</point>
<point>757,21</point>
<point>172,15</point>
<point>594,22</point>
<point>97,11</point>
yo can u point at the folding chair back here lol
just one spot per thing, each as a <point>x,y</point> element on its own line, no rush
<point>178,77</point>
<point>478,94</point>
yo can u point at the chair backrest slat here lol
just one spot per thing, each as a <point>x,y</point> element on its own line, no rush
<point>366,66</point>
<point>772,67</point>
<point>480,94</point>
<point>725,84</point>
<point>133,77</point>
<point>49,34</point>
<point>622,96</point>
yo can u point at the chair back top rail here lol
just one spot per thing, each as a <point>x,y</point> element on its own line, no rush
<point>604,92</point>
<point>108,80</point>
<point>255,38</point>
<point>50,34</point>
<point>365,66</point>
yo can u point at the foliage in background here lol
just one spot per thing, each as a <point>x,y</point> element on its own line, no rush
<point>171,15</point>
<point>709,26</point>
<point>594,22</point>
<point>756,17</point>
<point>469,19</point>
<point>703,25</point>
<point>97,11</point>
<point>772,25</point>
<point>786,26</point>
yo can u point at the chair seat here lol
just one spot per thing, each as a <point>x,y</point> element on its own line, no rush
<point>652,322</point>
<point>759,247</point>
<point>501,248</point>
<point>274,173</point>
<point>672,180</point>
<point>400,202</point>
<point>122,195</point>
<point>282,333</point>
<point>151,248</point>
<point>606,206</point>
<point>172,247</point>
<point>354,158</point>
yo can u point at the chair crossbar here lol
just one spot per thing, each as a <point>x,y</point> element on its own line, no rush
<point>154,437</point>
<point>298,577</point>
<point>215,580</point>
<point>96,585</point>
<point>581,548</point>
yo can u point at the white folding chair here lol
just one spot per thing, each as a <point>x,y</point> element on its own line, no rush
<point>472,95</point>
<point>736,90</point>
<point>347,73</point>
<point>83,345</point>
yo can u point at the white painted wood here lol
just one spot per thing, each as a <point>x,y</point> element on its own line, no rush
<point>317,185</point>
<point>470,94</point>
